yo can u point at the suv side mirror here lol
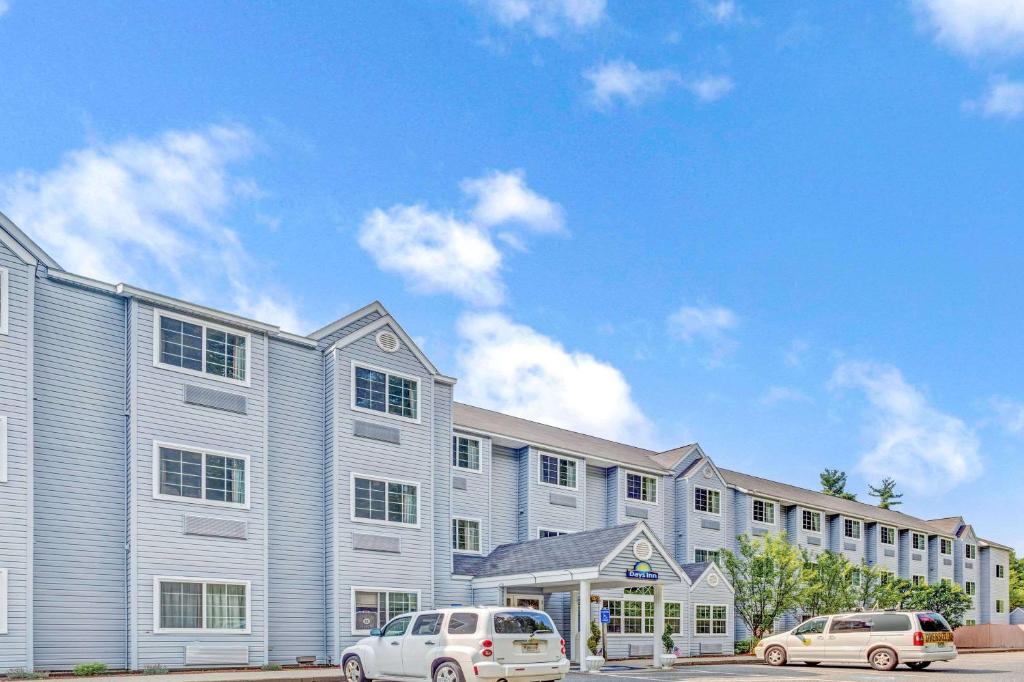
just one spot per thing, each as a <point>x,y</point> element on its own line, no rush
<point>376,632</point>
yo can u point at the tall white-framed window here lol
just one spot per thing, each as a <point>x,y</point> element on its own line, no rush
<point>186,344</point>
<point>182,473</point>
<point>4,301</point>
<point>762,511</point>
<point>888,535</point>
<point>919,580</point>
<point>634,615</point>
<point>851,529</point>
<point>707,500</point>
<point>560,472</point>
<point>945,546</point>
<point>184,605</point>
<point>1000,571</point>
<point>3,601</point>
<point>701,555</point>
<point>466,453</point>
<point>373,607</point>
<point>466,535</point>
<point>970,551</point>
<point>710,619</point>
<point>971,587</point>
<point>381,391</point>
<point>386,501</point>
<point>641,488</point>
<point>811,521</point>
<point>3,448</point>
<point>919,541</point>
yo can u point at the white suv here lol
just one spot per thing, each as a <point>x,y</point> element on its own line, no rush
<point>461,645</point>
<point>883,639</point>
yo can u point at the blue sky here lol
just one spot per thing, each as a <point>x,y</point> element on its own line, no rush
<point>789,231</point>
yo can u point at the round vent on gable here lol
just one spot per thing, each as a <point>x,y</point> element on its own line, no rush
<point>713,580</point>
<point>387,341</point>
<point>642,549</point>
<point>708,473</point>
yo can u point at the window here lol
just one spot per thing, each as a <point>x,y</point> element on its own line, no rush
<point>763,511</point>
<point>886,577</point>
<point>888,535</point>
<point>851,529</point>
<point>855,577</point>
<point>946,581</point>
<point>371,608</point>
<point>4,298</point>
<point>999,606</point>
<point>462,623</point>
<point>465,535</point>
<point>397,627</point>
<point>971,551</point>
<point>702,555</point>
<point>200,476</point>
<point>1000,571</point>
<point>379,391</point>
<point>812,521</point>
<point>706,500</point>
<point>933,622</point>
<point>199,347</point>
<point>427,624</point>
<point>970,588</point>
<point>709,619</point>
<point>185,604</point>
<point>558,471</point>
<point>945,546</point>
<point>812,627</point>
<point>549,533</point>
<point>919,580</point>
<point>851,624</point>
<point>375,499</point>
<point>641,488</point>
<point>466,453</point>
<point>919,540</point>
<point>522,623</point>
<point>890,622</point>
<point>970,621</point>
<point>636,616</point>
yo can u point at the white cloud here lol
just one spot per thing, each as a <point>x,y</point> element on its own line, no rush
<point>151,212</point>
<point>439,252</point>
<point>4,6</point>
<point>548,18</point>
<point>784,394</point>
<point>923,448</point>
<point>722,11</point>
<point>515,369</point>
<point>975,27</point>
<point>1009,414</point>
<point>708,324</point>
<point>1004,99</point>
<point>795,353</point>
<point>710,88</point>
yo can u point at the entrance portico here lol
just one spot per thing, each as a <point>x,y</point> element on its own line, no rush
<point>582,563</point>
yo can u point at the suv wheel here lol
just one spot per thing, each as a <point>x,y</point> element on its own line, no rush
<point>354,670</point>
<point>775,655</point>
<point>447,672</point>
<point>883,659</point>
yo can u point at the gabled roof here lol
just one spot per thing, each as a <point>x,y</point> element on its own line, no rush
<point>573,550</point>
<point>695,571</point>
<point>328,329</point>
<point>949,525</point>
<point>23,245</point>
<point>670,458</point>
<point>493,423</point>
<point>386,320</point>
<point>991,543</point>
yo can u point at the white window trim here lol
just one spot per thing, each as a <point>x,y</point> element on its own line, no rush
<point>881,535</point>
<point>924,547</point>
<point>625,487</point>
<point>711,634</point>
<point>580,471</point>
<point>970,556</point>
<point>821,519</point>
<point>923,581</point>
<point>3,448</point>
<point>352,604</point>
<point>158,313</point>
<point>693,501</point>
<point>389,372</point>
<point>706,549</point>
<point>775,511</point>
<point>642,598</point>
<point>205,581</point>
<point>3,601</point>
<point>950,552</point>
<point>860,529</point>
<point>5,298</point>
<point>157,495</point>
<point>563,531</point>
<point>480,532</point>
<point>479,450</point>
<point>384,522</point>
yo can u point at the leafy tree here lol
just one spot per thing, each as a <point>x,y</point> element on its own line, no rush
<point>1016,575</point>
<point>886,493</point>
<point>894,593</point>
<point>828,584</point>
<point>867,583</point>
<point>766,575</point>
<point>833,482</point>
<point>944,598</point>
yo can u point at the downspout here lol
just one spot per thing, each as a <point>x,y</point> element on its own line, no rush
<point>128,349</point>
<point>323,473</point>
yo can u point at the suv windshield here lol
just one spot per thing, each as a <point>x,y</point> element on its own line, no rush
<point>933,622</point>
<point>522,623</point>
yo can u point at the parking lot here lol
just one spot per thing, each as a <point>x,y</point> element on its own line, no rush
<point>998,666</point>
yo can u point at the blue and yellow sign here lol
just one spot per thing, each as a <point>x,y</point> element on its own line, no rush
<point>641,571</point>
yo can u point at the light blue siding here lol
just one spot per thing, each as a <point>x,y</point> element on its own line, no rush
<point>505,508</point>
<point>548,503</point>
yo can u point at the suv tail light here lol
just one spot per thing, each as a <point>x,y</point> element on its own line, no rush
<point>561,642</point>
<point>487,650</point>
<point>918,638</point>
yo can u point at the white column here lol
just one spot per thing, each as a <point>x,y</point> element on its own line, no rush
<point>659,622</point>
<point>583,626</point>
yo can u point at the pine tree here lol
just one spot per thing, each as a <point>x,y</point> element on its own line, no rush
<point>886,493</point>
<point>833,482</point>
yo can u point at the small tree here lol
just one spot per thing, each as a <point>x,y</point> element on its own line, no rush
<point>886,493</point>
<point>1016,575</point>
<point>895,593</point>
<point>867,582</point>
<point>828,584</point>
<point>766,577</point>
<point>833,482</point>
<point>594,641</point>
<point>944,598</point>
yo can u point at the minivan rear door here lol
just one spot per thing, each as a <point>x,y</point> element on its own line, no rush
<point>848,638</point>
<point>524,636</point>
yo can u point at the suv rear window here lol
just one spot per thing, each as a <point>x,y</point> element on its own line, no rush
<point>522,623</point>
<point>933,622</point>
<point>462,623</point>
<point>890,622</point>
<point>851,624</point>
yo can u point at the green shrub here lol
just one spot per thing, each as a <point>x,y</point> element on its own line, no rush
<point>89,669</point>
<point>744,646</point>
<point>594,641</point>
<point>667,643</point>
<point>22,674</point>
<point>155,669</point>
<point>270,666</point>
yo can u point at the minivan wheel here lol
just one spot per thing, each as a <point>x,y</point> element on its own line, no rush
<point>919,665</point>
<point>447,672</point>
<point>354,670</point>
<point>883,659</point>
<point>775,655</point>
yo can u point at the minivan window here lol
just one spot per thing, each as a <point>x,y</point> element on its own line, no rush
<point>397,627</point>
<point>851,624</point>
<point>522,623</point>
<point>462,624</point>
<point>933,622</point>
<point>812,627</point>
<point>428,624</point>
<point>890,622</point>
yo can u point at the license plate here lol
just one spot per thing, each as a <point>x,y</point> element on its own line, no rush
<point>936,637</point>
<point>529,647</point>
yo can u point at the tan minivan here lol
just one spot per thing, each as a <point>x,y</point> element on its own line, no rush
<point>883,639</point>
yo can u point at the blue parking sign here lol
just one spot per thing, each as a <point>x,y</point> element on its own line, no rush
<point>606,616</point>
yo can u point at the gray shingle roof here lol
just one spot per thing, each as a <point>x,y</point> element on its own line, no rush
<point>695,571</point>
<point>575,550</point>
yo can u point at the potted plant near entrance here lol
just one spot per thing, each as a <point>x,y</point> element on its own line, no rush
<point>667,658</point>
<point>595,661</point>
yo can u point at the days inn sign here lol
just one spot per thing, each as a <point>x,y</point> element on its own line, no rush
<point>642,570</point>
